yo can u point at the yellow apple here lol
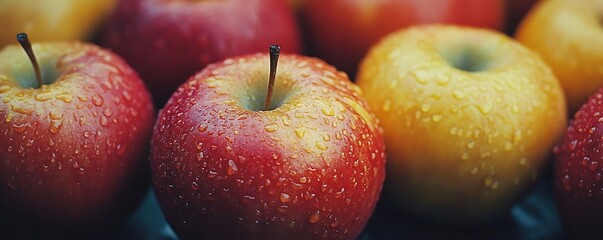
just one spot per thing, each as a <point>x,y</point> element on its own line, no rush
<point>569,37</point>
<point>469,117</point>
<point>51,20</point>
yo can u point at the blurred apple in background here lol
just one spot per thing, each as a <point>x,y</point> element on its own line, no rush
<point>167,41</point>
<point>341,31</point>
<point>579,170</point>
<point>569,37</point>
<point>74,148</point>
<point>310,166</point>
<point>55,20</point>
<point>469,117</point>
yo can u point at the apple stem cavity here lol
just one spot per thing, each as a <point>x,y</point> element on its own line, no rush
<point>26,44</point>
<point>275,51</point>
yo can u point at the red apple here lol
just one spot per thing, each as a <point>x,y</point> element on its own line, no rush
<point>579,170</point>
<point>73,149</point>
<point>168,41</point>
<point>310,167</point>
<point>341,31</point>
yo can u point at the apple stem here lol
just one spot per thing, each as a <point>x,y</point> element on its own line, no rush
<point>275,51</point>
<point>26,44</point>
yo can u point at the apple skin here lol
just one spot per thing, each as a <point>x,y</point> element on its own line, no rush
<point>462,145</point>
<point>311,168</point>
<point>341,31</point>
<point>568,36</point>
<point>169,41</point>
<point>73,152</point>
<point>578,170</point>
<point>57,20</point>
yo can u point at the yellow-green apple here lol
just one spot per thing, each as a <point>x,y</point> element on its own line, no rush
<point>56,20</point>
<point>341,31</point>
<point>310,165</point>
<point>462,111</point>
<point>73,144</point>
<point>578,170</point>
<point>568,36</point>
<point>168,41</point>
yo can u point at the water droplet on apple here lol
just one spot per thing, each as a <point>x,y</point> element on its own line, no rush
<point>458,95</point>
<point>314,217</point>
<point>104,121</point>
<point>55,126</point>
<point>471,145</point>
<point>327,110</point>
<point>65,97</point>
<point>43,96</point>
<point>4,86</point>
<point>565,181</point>
<point>108,112</point>
<point>285,198</point>
<point>425,107</point>
<point>97,100</point>
<point>271,127</point>
<point>387,105</point>
<point>232,167</point>
<point>202,127</point>
<point>195,186</point>
<point>120,149</point>
<point>55,115</point>
<point>248,200</point>
<point>485,107</point>
<point>300,132</point>
<point>320,145</point>
<point>593,166</point>
<point>436,118</point>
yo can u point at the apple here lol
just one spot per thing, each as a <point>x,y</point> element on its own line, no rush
<point>469,116</point>
<point>74,136</point>
<point>341,31</point>
<point>57,20</point>
<point>578,170</point>
<point>168,41</point>
<point>308,164</point>
<point>568,36</point>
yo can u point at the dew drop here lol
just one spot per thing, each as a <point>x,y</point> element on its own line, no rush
<point>425,107</point>
<point>285,198</point>
<point>593,166</point>
<point>300,132</point>
<point>97,100</point>
<point>43,96</point>
<point>232,167</point>
<point>119,149</point>
<point>572,145</point>
<point>436,118</point>
<point>195,186</point>
<point>458,95</point>
<point>314,217</point>
<point>55,115</point>
<point>65,97</point>
<point>55,126</point>
<point>202,127</point>
<point>271,127</point>
<point>566,182</point>
<point>327,111</point>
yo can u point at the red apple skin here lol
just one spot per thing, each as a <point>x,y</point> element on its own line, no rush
<point>73,153</point>
<point>169,41</point>
<point>312,168</point>
<point>341,31</point>
<point>579,170</point>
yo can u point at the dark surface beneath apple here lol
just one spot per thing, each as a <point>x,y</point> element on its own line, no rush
<point>533,218</point>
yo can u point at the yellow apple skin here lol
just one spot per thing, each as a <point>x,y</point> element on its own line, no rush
<point>462,146</point>
<point>569,37</point>
<point>51,20</point>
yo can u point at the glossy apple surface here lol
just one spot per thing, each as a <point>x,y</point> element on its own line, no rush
<point>568,36</point>
<point>312,167</point>
<point>169,41</point>
<point>469,116</point>
<point>341,31</point>
<point>73,151</point>
<point>578,170</point>
<point>56,20</point>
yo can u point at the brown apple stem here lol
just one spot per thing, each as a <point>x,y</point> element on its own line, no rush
<point>275,51</point>
<point>26,44</point>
